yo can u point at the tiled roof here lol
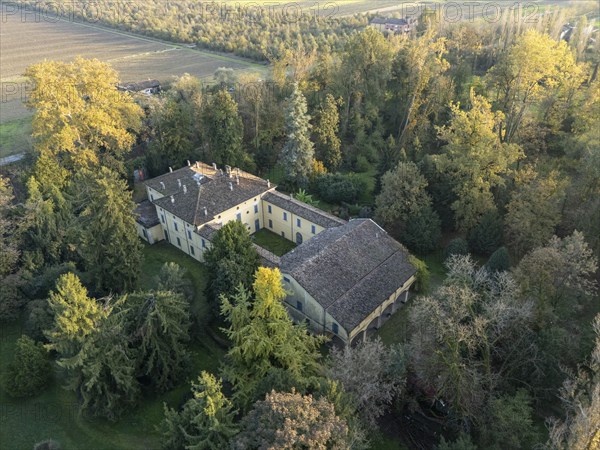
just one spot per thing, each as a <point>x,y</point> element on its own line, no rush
<point>350,269</point>
<point>146,214</point>
<point>389,21</point>
<point>198,194</point>
<point>304,210</point>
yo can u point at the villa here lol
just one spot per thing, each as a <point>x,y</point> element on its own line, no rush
<point>342,276</point>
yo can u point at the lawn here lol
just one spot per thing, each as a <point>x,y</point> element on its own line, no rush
<point>54,413</point>
<point>15,136</point>
<point>272,242</point>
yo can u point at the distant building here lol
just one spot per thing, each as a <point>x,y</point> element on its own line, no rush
<point>341,277</point>
<point>147,87</point>
<point>389,24</point>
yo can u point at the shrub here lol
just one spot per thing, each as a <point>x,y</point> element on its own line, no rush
<point>39,319</point>
<point>422,276</point>
<point>499,261</point>
<point>337,188</point>
<point>30,370</point>
<point>457,246</point>
<point>486,236</point>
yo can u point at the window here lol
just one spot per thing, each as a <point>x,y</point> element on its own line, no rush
<point>298,238</point>
<point>284,216</point>
<point>192,250</point>
<point>286,279</point>
<point>179,242</point>
<point>299,306</point>
<point>334,328</point>
<point>282,234</point>
<point>255,209</point>
<point>162,218</point>
<point>166,235</point>
<point>313,229</point>
<point>151,197</point>
<point>269,208</point>
<point>298,222</point>
<point>189,234</point>
<point>175,225</point>
<point>238,217</point>
<point>203,243</point>
<point>270,223</point>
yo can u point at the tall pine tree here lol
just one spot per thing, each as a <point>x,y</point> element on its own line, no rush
<point>298,153</point>
<point>105,228</point>
<point>265,340</point>
<point>326,130</point>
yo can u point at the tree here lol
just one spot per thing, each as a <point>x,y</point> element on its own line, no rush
<point>476,158</point>
<point>105,228</point>
<point>535,65</point>
<point>580,394</point>
<point>364,372</point>
<point>80,118</point>
<point>231,260</point>
<point>298,153</point>
<point>291,420</point>
<point>486,236</point>
<point>76,316</point>
<point>223,130</point>
<point>328,144</point>
<point>30,370</point>
<point>157,325</point>
<point>534,210</point>
<point>265,339</point>
<point>470,336</point>
<point>557,277</point>
<point>9,246</point>
<point>10,252</point>
<point>206,421</point>
<point>175,123</point>
<point>423,232</point>
<point>457,246</point>
<point>402,196</point>
<point>102,373</point>
<point>172,277</point>
<point>499,261</point>
<point>510,423</point>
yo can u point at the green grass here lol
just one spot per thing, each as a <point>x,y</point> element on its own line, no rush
<point>273,242</point>
<point>54,413</point>
<point>382,442</point>
<point>396,328</point>
<point>14,136</point>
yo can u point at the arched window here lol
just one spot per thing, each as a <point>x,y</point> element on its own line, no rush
<point>298,238</point>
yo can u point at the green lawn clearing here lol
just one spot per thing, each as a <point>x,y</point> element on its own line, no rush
<point>273,242</point>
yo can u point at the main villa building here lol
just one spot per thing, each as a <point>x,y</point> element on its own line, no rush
<point>341,277</point>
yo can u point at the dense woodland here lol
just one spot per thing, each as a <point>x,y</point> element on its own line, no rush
<point>476,142</point>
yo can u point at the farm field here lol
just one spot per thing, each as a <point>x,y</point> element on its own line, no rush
<point>23,43</point>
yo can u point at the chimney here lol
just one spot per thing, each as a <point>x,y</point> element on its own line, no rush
<point>237,170</point>
<point>162,185</point>
<point>230,186</point>
<point>237,179</point>
<point>268,184</point>
<point>172,199</point>
<point>188,161</point>
<point>205,211</point>
<point>184,189</point>
<point>228,170</point>
<point>291,195</point>
<point>215,166</point>
<point>170,170</point>
<point>197,165</point>
<point>221,172</point>
<point>179,183</point>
